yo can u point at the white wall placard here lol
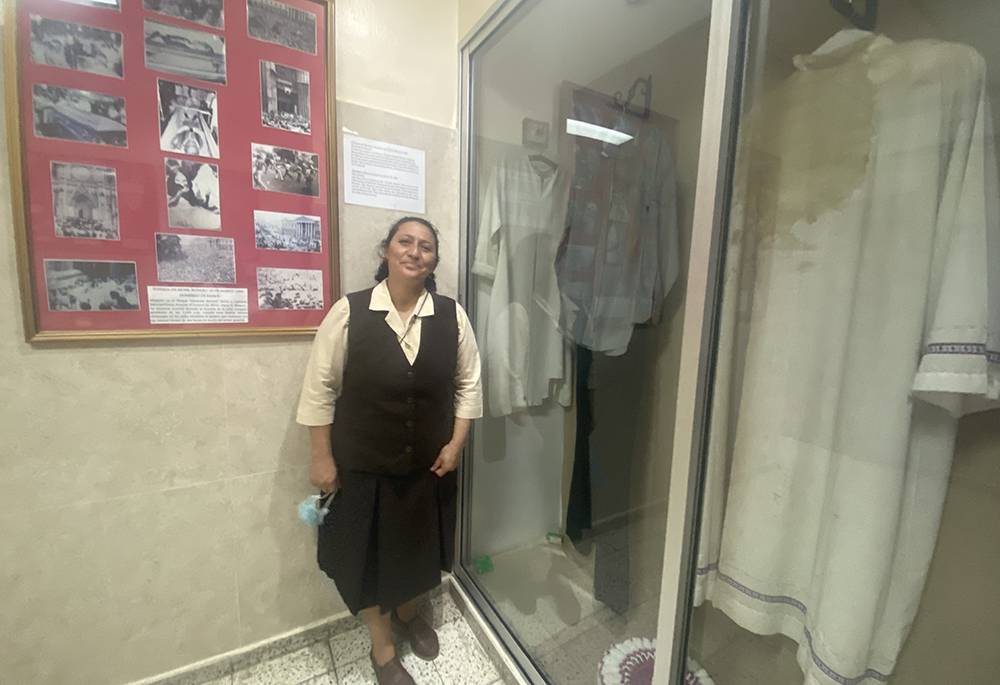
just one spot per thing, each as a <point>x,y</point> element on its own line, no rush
<point>383,175</point>
<point>196,305</point>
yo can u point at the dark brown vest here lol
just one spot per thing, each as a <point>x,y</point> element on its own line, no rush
<point>393,418</point>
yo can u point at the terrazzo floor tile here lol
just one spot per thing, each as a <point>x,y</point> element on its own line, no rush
<point>462,661</point>
<point>571,633</point>
<point>350,646</point>
<point>325,679</point>
<point>577,661</point>
<point>290,669</point>
<point>358,672</point>
<point>423,672</point>
<point>441,609</point>
<point>345,624</point>
<point>216,674</point>
<point>531,631</point>
<point>562,669</point>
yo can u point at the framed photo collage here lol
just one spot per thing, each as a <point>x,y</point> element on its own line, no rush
<point>172,166</point>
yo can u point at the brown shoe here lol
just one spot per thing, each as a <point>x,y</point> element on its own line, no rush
<point>421,636</point>
<point>391,672</point>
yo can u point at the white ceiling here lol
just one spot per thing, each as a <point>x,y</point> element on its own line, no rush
<point>575,40</point>
<point>581,40</point>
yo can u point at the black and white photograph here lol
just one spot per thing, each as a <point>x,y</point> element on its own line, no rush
<point>285,171</point>
<point>288,232</point>
<point>204,12</point>
<point>189,119</point>
<point>104,4</point>
<point>80,47</point>
<point>79,115</point>
<point>195,259</point>
<point>289,288</point>
<point>281,24</point>
<point>91,286</point>
<point>284,97</point>
<point>192,195</point>
<point>84,201</point>
<point>185,52</point>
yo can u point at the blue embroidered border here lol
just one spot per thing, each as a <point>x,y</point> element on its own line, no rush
<point>992,356</point>
<point>791,601</point>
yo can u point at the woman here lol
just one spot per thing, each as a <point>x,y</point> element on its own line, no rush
<point>391,448</point>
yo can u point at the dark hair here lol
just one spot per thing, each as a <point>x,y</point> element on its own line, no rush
<point>382,272</point>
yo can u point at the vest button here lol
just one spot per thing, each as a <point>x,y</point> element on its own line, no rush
<point>409,374</point>
<point>409,424</point>
<point>409,449</point>
<point>410,400</point>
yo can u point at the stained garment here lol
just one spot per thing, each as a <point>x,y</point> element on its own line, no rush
<point>523,217</point>
<point>390,531</point>
<point>620,255</point>
<point>860,318</point>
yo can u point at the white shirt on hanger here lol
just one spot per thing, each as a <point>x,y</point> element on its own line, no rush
<point>522,222</point>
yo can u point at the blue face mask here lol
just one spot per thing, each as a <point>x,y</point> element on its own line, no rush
<point>313,509</point>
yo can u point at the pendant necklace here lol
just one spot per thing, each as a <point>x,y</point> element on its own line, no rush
<point>413,317</point>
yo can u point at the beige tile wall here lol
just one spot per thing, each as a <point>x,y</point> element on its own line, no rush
<point>362,228</point>
<point>148,493</point>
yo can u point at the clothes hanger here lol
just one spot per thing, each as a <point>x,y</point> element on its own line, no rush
<point>542,159</point>
<point>617,102</point>
<point>865,21</point>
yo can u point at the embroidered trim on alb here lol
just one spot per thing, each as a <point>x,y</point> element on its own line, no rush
<point>978,349</point>
<point>791,601</point>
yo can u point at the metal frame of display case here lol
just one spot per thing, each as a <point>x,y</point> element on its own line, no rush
<point>727,51</point>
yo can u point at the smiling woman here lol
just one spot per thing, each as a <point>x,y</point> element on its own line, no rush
<point>415,232</point>
<point>400,364</point>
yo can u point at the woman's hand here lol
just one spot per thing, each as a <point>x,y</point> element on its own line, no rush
<point>323,474</point>
<point>323,471</point>
<point>447,459</point>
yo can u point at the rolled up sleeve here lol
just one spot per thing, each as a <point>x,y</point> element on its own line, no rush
<point>325,370</point>
<point>468,372</point>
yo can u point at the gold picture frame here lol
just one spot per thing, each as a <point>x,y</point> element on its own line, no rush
<point>18,131</point>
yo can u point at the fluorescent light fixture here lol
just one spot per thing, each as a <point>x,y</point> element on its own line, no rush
<point>608,135</point>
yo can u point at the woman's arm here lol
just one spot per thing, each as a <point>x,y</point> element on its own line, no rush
<point>468,382</point>
<point>468,395</point>
<point>320,389</point>
<point>450,454</point>
<point>322,470</point>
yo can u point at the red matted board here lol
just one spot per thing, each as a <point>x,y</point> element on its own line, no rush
<point>177,175</point>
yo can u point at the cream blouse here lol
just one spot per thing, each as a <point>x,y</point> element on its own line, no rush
<point>325,371</point>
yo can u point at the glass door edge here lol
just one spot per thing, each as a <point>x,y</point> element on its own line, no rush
<point>528,670</point>
<point>501,12</point>
<point>722,88</point>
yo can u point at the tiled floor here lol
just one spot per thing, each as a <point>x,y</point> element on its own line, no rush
<point>342,659</point>
<point>546,594</point>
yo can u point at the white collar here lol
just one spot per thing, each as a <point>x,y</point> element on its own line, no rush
<point>837,43</point>
<point>841,39</point>
<point>381,301</point>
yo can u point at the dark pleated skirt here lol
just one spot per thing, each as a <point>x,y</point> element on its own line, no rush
<point>387,539</point>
